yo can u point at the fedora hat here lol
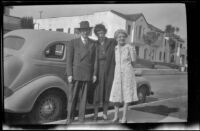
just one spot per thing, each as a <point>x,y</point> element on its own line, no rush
<point>84,25</point>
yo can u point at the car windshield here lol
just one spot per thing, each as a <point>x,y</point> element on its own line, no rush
<point>14,42</point>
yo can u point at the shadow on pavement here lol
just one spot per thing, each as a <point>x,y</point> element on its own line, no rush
<point>151,99</point>
<point>23,119</point>
<point>159,109</point>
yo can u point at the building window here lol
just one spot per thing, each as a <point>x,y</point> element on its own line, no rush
<point>152,55</point>
<point>140,31</point>
<point>145,53</point>
<point>181,45</point>
<point>129,29</point>
<point>59,29</point>
<point>137,50</point>
<point>172,59</point>
<point>69,30</point>
<point>143,31</point>
<point>164,57</point>
<point>160,56</point>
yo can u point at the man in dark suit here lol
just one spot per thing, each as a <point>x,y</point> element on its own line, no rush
<point>81,70</point>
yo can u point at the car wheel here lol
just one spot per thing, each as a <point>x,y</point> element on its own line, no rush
<point>49,107</point>
<point>142,94</point>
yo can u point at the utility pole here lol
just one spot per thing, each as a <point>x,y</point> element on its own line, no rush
<point>41,14</point>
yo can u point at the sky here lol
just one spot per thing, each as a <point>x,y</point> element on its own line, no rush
<point>158,15</point>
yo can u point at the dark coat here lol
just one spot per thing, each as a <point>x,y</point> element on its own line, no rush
<point>105,71</point>
<point>82,60</point>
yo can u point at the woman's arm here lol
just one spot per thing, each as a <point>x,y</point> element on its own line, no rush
<point>133,55</point>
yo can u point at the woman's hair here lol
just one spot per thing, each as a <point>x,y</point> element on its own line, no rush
<point>120,31</point>
<point>99,27</point>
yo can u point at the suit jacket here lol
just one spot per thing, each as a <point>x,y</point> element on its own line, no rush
<point>109,46</point>
<point>82,60</point>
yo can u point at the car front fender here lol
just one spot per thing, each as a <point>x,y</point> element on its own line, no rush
<point>22,101</point>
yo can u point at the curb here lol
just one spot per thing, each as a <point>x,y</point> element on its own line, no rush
<point>160,72</point>
<point>167,119</point>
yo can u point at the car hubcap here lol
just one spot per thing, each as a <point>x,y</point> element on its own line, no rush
<point>140,95</point>
<point>47,108</point>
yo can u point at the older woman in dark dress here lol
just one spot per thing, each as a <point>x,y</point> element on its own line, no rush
<point>106,65</point>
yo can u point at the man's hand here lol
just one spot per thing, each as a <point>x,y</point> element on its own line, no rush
<point>70,79</point>
<point>94,79</point>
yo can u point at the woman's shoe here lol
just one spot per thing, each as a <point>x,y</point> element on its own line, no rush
<point>124,121</point>
<point>115,120</point>
<point>68,121</point>
<point>95,118</point>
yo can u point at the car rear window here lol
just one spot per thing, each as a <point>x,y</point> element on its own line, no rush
<point>56,50</point>
<point>14,42</point>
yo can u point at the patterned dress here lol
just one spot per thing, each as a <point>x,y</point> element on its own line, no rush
<point>124,84</point>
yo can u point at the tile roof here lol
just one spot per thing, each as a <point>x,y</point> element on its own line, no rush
<point>155,28</point>
<point>132,17</point>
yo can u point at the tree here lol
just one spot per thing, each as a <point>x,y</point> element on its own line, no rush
<point>169,29</point>
<point>27,23</point>
<point>170,32</point>
<point>150,37</point>
<point>177,29</point>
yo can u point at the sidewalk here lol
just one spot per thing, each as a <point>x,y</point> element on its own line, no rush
<point>157,111</point>
<point>147,71</point>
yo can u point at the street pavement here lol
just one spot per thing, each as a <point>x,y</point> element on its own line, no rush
<point>166,110</point>
<point>168,104</point>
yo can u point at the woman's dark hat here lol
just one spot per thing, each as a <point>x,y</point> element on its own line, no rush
<point>99,27</point>
<point>84,25</point>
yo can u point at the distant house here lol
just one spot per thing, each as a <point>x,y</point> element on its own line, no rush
<point>135,25</point>
<point>10,22</point>
<point>177,49</point>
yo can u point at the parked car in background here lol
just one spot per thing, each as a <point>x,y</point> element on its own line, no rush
<point>34,79</point>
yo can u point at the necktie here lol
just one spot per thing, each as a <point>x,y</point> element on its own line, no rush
<point>85,41</point>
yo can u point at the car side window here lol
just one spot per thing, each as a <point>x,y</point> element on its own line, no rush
<point>56,51</point>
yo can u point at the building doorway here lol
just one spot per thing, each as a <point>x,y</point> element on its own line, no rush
<point>164,57</point>
<point>172,59</point>
<point>182,60</point>
<point>137,50</point>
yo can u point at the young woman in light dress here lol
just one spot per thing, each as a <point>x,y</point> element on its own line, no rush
<point>124,83</point>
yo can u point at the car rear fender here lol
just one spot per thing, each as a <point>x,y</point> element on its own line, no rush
<point>23,100</point>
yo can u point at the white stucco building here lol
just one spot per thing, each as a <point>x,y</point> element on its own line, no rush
<point>135,25</point>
